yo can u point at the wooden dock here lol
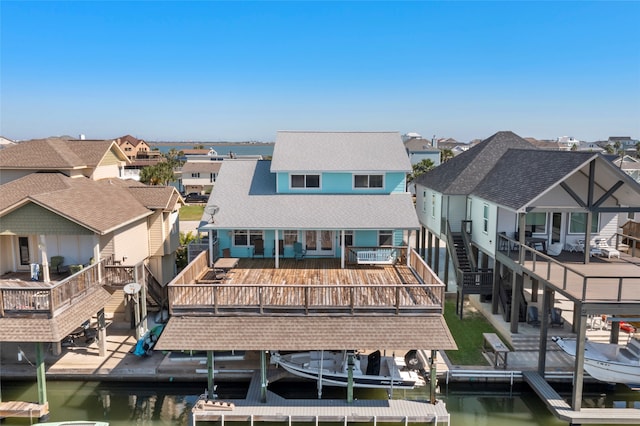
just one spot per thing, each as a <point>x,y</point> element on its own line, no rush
<point>563,411</point>
<point>29,410</point>
<point>278,409</point>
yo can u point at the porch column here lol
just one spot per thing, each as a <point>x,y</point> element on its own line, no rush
<point>587,238</point>
<point>534,289</point>
<point>578,371</point>
<point>42,245</point>
<point>544,325</point>
<point>423,235</point>
<point>102,334</point>
<point>141,279</point>
<point>408,248</point>
<point>521,235</point>
<point>276,244</point>
<point>436,257</point>
<point>96,255</point>
<point>342,249</point>
<point>516,289</point>
<point>446,270</point>
<point>211,258</point>
<point>429,247</point>
<point>416,242</point>
<point>497,272</point>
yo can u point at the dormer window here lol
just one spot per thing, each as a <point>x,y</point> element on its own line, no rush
<point>368,181</point>
<point>305,181</point>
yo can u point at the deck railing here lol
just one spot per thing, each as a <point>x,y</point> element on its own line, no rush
<point>618,289</point>
<point>43,299</point>
<point>188,297</point>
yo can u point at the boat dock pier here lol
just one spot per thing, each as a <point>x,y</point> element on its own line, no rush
<point>278,409</point>
<point>28,410</point>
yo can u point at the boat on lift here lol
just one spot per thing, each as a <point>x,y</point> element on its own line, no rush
<point>368,371</point>
<point>608,362</point>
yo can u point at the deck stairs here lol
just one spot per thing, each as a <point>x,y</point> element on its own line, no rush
<point>464,264</point>
<point>115,309</point>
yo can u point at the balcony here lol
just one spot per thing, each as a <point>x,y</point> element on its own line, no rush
<point>308,287</point>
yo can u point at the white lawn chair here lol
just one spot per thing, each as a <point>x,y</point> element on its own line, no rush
<point>606,249</point>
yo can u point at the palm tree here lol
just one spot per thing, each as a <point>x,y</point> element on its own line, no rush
<point>420,168</point>
<point>446,155</point>
<point>158,174</point>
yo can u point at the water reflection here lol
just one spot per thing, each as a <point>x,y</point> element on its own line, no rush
<point>155,404</point>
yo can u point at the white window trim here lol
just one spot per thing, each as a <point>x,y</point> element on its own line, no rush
<point>485,219</point>
<point>305,188</point>
<point>368,175</point>
<point>380,231</point>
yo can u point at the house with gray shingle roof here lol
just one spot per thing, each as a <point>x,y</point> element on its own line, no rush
<point>326,190</point>
<point>74,158</point>
<point>524,226</point>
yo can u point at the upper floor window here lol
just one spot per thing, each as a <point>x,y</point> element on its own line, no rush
<point>485,219</point>
<point>348,238</point>
<point>578,223</point>
<point>424,201</point>
<point>433,205</point>
<point>195,175</point>
<point>385,238</point>
<point>305,181</point>
<point>368,181</point>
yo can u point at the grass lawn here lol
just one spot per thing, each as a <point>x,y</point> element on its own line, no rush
<point>193,212</point>
<point>468,335</point>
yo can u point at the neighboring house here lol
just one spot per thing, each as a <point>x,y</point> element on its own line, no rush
<point>139,154</point>
<point>626,142</point>
<point>50,214</point>
<point>511,207</point>
<point>453,145</point>
<point>198,176</point>
<point>4,142</point>
<point>320,189</point>
<point>75,158</point>
<point>630,165</point>
<point>421,149</point>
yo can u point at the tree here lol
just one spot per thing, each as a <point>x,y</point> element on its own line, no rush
<point>158,174</point>
<point>574,147</point>
<point>420,168</point>
<point>199,146</point>
<point>446,155</point>
<point>181,252</point>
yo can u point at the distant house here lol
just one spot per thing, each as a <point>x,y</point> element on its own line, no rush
<point>5,142</point>
<point>630,165</point>
<point>198,176</point>
<point>140,156</point>
<point>452,144</point>
<point>74,158</point>
<point>626,142</point>
<point>420,149</point>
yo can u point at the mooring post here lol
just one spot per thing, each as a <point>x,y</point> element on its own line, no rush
<point>263,377</point>
<point>40,373</point>
<point>350,364</point>
<point>433,376</point>
<point>211,394</point>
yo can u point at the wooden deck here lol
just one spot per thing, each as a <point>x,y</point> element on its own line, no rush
<point>278,409</point>
<point>562,410</point>
<point>305,286</point>
<point>602,280</point>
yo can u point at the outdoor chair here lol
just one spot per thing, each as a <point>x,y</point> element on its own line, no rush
<point>298,251</point>
<point>226,252</point>
<point>606,249</point>
<point>532,316</point>
<point>556,319</point>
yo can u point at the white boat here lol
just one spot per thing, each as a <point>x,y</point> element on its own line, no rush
<point>369,371</point>
<point>608,362</point>
<point>73,423</point>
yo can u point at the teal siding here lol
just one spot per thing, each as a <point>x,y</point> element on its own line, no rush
<point>342,183</point>
<point>365,238</point>
<point>33,219</point>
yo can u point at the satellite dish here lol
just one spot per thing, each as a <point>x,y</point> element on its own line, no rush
<point>211,210</point>
<point>132,288</point>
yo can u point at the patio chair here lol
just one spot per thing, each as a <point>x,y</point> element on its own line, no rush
<point>298,251</point>
<point>606,249</point>
<point>556,319</point>
<point>532,316</point>
<point>57,265</point>
<point>258,247</point>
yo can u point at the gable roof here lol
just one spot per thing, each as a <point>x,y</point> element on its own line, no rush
<point>131,139</point>
<point>521,175</point>
<point>100,206</point>
<point>201,166</point>
<point>419,144</point>
<point>153,197</point>
<point>339,152</point>
<point>461,174</point>
<point>245,193</point>
<point>57,154</point>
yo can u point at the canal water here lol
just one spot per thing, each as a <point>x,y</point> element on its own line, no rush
<point>154,404</point>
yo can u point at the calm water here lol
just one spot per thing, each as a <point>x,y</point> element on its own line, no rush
<point>224,148</point>
<point>170,404</point>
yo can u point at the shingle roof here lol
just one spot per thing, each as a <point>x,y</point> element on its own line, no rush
<point>54,154</point>
<point>521,175</point>
<point>201,166</point>
<point>461,174</point>
<point>306,333</point>
<point>339,151</point>
<point>99,206</point>
<point>245,193</point>
<point>419,144</point>
<point>56,328</point>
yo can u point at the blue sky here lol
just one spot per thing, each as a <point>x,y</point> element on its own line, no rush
<point>236,71</point>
